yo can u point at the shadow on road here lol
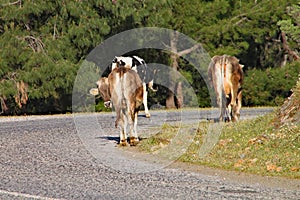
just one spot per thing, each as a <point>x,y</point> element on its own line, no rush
<point>110,138</point>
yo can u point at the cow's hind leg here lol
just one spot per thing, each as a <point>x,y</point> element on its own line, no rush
<point>236,109</point>
<point>134,140</point>
<point>224,112</point>
<point>123,136</point>
<point>145,96</point>
<point>228,114</point>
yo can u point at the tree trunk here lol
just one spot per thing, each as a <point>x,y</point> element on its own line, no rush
<point>171,101</point>
<point>179,95</point>
<point>286,47</point>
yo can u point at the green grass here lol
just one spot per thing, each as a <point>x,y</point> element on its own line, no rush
<point>252,146</point>
<point>159,140</point>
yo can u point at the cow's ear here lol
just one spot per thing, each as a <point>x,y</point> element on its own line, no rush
<point>242,66</point>
<point>115,60</point>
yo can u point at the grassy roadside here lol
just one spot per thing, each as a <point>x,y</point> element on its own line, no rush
<point>267,145</point>
<point>253,146</point>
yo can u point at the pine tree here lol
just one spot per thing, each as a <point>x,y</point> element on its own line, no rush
<point>42,44</point>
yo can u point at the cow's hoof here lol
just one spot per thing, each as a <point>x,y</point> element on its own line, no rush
<point>148,115</point>
<point>134,141</point>
<point>227,119</point>
<point>123,143</point>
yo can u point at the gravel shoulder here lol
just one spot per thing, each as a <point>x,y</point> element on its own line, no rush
<point>240,177</point>
<point>225,175</point>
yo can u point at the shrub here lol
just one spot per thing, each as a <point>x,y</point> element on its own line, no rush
<point>269,87</point>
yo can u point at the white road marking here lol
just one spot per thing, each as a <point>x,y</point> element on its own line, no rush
<point>18,194</point>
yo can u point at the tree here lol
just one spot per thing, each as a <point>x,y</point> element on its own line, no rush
<point>42,44</point>
<point>177,16</point>
<point>271,85</point>
<point>290,33</point>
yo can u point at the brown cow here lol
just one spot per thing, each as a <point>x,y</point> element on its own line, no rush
<point>123,87</point>
<point>146,74</point>
<point>226,77</point>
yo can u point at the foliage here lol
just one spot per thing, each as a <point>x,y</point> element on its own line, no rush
<point>271,86</point>
<point>101,108</point>
<point>246,29</point>
<point>43,44</point>
<point>291,26</point>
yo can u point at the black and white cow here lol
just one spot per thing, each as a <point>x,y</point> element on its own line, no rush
<point>146,74</point>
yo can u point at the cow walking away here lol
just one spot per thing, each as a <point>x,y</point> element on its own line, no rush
<point>124,88</point>
<point>226,77</point>
<point>146,74</point>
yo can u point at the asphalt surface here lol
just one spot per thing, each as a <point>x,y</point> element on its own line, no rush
<point>76,157</point>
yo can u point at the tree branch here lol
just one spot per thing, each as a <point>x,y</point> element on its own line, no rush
<point>13,3</point>
<point>4,107</point>
<point>287,48</point>
<point>189,50</point>
<point>35,43</point>
<point>240,21</point>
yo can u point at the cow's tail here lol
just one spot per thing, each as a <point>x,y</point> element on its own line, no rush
<point>223,95</point>
<point>120,108</point>
<point>122,81</point>
<point>225,112</point>
<point>211,67</point>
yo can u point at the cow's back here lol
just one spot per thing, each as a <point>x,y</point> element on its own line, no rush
<point>133,88</point>
<point>126,90</point>
<point>127,82</point>
<point>225,69</point>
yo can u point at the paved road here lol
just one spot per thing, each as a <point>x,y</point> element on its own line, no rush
<point>75,157</point>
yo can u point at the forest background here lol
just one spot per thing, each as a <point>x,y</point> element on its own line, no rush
<point>44,43</point>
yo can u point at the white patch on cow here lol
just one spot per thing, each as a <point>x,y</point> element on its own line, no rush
<point>134,68</point>
<point>113,66</point>
<point>145,96</point>
<point>139,59</point>
<point>118,87</point>
<point>108,104</point>
<point>126,60</point>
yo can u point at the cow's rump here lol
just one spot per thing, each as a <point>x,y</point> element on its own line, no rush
<point>126,91</point>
